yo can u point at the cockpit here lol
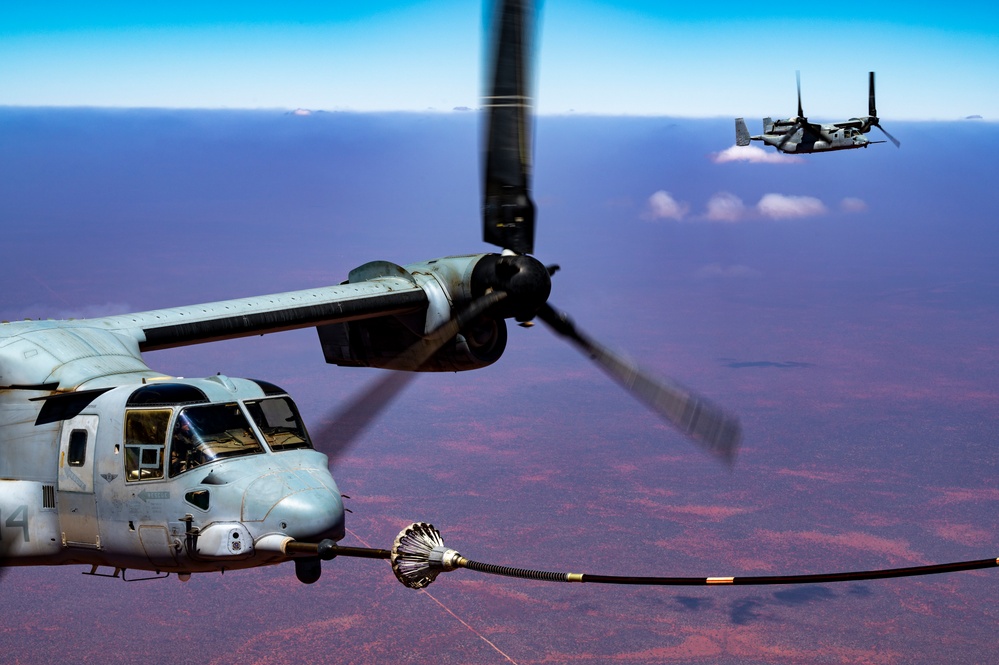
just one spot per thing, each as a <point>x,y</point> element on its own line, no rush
<point>172,428</point>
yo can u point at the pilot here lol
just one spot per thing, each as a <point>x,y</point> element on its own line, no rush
<point>185,452</point>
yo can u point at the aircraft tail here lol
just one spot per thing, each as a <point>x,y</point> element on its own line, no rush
<point>741,132</point>
<point>768,125</point>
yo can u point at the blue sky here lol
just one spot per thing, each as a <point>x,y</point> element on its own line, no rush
<point>626,57</point>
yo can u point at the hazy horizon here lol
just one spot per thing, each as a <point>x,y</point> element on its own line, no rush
<point>464,110</point>
<point>631,56</point>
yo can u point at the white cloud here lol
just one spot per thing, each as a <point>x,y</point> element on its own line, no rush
<point>663,206</point>
<point>713,270</point>
<point>779,206</point>
<point>753,155</point>
<point>725,207</point>
<point>851,204</point>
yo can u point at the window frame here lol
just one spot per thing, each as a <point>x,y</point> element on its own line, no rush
<point>135,460</point>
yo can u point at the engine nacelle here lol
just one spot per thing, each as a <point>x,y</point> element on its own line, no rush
<point>452,284</point>
<point>380,342</point>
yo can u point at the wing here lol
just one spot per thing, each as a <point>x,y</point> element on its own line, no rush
<point>100,352</point>
<point>384,295</point>
<point>857,123</point>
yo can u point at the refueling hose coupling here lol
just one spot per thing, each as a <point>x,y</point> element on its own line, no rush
<point>419,555</point>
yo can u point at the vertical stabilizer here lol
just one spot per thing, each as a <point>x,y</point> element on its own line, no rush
<point>741,132</point>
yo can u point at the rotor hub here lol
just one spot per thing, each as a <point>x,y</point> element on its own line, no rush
<point>523,278</point>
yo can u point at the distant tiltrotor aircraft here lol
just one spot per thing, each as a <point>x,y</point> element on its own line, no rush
<point>797,135</point>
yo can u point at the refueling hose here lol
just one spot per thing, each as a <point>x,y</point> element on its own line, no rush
<point>418,556</point>
<point>854,576</point>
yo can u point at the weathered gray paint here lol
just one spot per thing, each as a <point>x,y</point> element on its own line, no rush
<point>101,518</point>
<point>798,135</point>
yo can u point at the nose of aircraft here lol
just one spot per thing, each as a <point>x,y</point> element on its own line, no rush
<point>296,504</point>
<point>311,515</point>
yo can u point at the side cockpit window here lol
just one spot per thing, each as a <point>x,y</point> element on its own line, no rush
<point>279,422</point>
<point>145,441</point>
<point>77,448</point>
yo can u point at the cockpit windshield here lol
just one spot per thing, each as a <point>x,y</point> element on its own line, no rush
<point>279,422</point>
<point>203,434</point>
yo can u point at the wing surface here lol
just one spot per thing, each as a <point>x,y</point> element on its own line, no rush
<point>260,315</point>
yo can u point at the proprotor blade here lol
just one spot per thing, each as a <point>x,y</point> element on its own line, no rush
<point>797,78</point>
<point>787,137</point>
<point>507,210</point>
<point>872,110</point>
<point>872,107</point>
<point>343,427</point>
<point>890,137</point>
<point>711,428</point>
<point>816,130</point>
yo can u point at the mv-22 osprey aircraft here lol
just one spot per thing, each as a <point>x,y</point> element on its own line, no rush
<point>108,463</point>
<point>798,135</point>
